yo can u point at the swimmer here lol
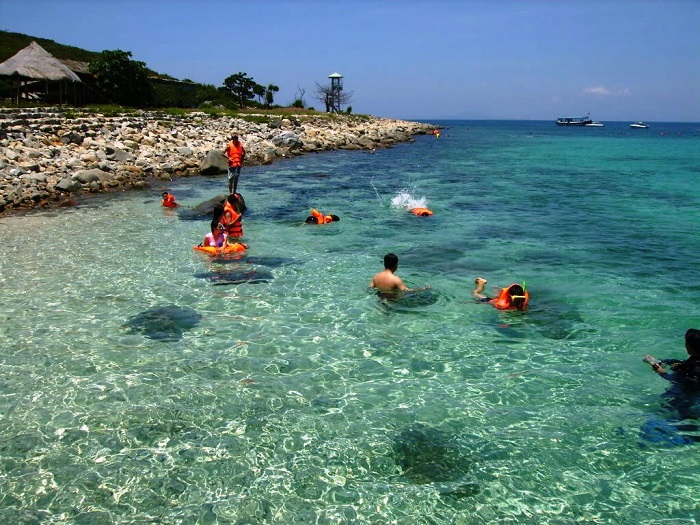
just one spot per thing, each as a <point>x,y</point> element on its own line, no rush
<point>688,370</point>
<point>513,297</point>
<point>317,217</point>
<point>169,200</point>
<point>217,237</point>
<point>387,283</point>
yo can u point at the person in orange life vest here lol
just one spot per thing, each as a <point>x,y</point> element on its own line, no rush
<point>513,297</point>
<point>232,218</point>
<point>217,237</point>
<point>235,153</point>
<point>169,200</point>
<point>317,217</point>
<point>389,285</point>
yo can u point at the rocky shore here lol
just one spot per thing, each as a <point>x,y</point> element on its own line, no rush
<point>49,157</point>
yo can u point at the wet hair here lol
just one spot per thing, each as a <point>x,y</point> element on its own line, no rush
<point>218,212</point>
<point>311,220</point>
<point>164,194</point>
<point>516,290</point>
<point>236,200</point>
<point>692,341</point>
<point>335,218</point>
<point>391,261</point>
<point>215,225</point>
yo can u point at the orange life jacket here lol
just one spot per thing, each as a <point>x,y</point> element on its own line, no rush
<point>322,219</point>
<point>231,219</point>
<point>169,201</point>
<point>235,154</point>
<point>504,301</point>
<point>421,212</point>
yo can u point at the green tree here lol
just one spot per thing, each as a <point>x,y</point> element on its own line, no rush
<point>270,91</point>
<point>241,87</point>
<point>259,92</point>
<point>122,80</point>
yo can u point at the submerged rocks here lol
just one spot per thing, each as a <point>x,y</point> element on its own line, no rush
<point>165,323</point>
<point>48,155</point>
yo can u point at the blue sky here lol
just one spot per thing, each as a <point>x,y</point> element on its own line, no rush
<point>615,59</point>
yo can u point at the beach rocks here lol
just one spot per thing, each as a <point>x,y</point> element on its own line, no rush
<point>213,163</point>
<point>49,154</point>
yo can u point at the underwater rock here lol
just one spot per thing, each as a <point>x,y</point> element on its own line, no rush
<point>238,275</point>
<point>165,323</point>
<point>427,455</point>
<point>406,300</point>
<point>204,210</point>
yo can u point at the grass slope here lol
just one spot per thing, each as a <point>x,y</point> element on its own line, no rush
<point>11,43</point>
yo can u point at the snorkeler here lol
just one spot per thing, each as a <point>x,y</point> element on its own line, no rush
<point>513,297</point>
<point>317,217</point>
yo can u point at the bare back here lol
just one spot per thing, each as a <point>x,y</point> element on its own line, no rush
<point>386,281</point>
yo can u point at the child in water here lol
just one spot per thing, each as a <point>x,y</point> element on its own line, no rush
<point>217,237</point>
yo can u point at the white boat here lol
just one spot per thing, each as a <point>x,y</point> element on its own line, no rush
<point>639,125</point>
<point>573,121</point>
<point>594,124</point>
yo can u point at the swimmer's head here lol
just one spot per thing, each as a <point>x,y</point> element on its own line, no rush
<point>311,220</point>
<point>165,194</point>
<point>692,342</point>
<point>391,261</point>
<point>517,296</point>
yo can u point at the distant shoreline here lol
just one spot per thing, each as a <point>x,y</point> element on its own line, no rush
<point>50,157</point>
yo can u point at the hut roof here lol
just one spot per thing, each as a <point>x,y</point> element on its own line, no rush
<point>36,63</point>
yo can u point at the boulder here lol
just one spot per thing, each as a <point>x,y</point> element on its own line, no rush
<point>288,139</point>
<point>213,163</point>
<point>85,176</point>
<point>68,185</point>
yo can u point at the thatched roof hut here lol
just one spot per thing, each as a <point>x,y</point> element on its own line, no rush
<point>36,70</point>
<point>34,62</point>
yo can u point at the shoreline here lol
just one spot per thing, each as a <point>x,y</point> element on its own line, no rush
<point>49,157</point>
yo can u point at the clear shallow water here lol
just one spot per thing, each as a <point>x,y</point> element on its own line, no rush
<point>298,397</point>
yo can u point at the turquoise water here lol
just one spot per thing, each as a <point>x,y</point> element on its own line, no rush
<point>285,392</point>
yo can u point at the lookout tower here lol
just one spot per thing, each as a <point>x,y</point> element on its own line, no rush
<point>334,95</point>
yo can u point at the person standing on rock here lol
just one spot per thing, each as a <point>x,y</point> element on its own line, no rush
<point>235,153</point>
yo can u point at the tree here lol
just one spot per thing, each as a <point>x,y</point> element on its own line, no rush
<point>299,101</point>
<point>241,87</point>
<point>326,94</point>
<point>122,80</point>
<point>259,92</point>
<point>270,91</point>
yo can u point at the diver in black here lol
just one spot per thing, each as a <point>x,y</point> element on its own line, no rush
<point>682,399</point>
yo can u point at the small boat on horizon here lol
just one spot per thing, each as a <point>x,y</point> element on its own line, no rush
<point>639,125</point>
<point>574,121</point>
<point>595,124</point>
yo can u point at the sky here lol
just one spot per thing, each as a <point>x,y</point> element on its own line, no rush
<point>617,60</point>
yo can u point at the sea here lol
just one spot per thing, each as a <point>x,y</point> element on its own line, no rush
<point>142,382</point>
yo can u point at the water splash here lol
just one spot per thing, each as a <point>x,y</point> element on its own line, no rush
<point>405,199</point>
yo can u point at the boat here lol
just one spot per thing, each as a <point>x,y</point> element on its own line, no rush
<point>574,121</point>
<point>595,124</point>
<point>639,125</point>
